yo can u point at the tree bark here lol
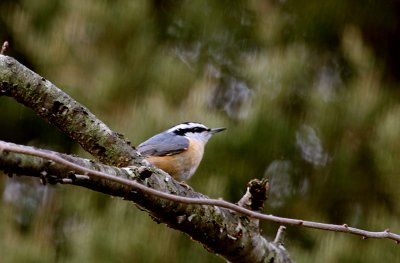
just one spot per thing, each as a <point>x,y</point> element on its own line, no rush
<point>59,109</point>
<point>233,236</point>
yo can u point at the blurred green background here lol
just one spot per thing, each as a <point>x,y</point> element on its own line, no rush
<point>309,92</point>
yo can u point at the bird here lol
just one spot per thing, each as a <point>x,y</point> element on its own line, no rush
<point>179,149</point>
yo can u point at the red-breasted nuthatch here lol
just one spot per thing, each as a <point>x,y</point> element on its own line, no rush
<point>178,150</point>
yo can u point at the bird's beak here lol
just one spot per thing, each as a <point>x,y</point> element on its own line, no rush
<point>216,130</point>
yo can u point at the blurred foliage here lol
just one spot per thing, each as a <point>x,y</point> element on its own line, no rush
<point>307,90</point>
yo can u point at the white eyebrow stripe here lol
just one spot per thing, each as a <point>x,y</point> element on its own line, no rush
<point>186,126</point>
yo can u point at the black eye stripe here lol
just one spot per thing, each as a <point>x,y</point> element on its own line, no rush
<point>186,130</point>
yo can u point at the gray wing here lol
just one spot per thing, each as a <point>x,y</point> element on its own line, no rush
<point>163,144</point>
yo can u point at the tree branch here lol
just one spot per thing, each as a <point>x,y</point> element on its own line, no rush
<point>228,234</point>
<point>138,173</point>
<point>59,109</point>
<point>215,228</point>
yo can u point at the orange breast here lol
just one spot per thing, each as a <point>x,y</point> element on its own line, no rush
<point>183,165</point>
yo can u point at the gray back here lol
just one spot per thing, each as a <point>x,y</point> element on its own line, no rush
<point>163,144</point>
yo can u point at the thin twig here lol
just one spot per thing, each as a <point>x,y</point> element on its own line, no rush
<point>220,203</point>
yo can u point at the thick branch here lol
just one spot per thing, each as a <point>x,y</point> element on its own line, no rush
<point>235,237</point>
<point>143,172</point>
<point>213,227</point>
<point>220,230</point>
<point>59,109</point>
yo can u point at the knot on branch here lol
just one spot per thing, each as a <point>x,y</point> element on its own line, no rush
<point>256,195</point>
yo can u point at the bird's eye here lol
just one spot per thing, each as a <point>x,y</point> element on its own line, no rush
<point>199,129</point>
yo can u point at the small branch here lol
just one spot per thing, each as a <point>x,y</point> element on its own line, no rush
<point>279,242</point>
<point>280,235</point>
<point>213,202</point>
<point>4,47</point>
